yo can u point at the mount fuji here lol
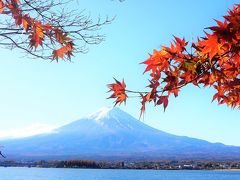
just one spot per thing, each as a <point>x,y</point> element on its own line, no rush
<point>111,133</point>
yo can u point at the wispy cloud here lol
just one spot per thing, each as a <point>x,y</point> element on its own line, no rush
<point>30,130</point>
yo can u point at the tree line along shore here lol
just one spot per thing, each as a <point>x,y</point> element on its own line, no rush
<point>158,165</point>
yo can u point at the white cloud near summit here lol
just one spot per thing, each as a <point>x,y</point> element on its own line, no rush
<point>30,130</point>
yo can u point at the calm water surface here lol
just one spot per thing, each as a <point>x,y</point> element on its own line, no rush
<point>105,174</point>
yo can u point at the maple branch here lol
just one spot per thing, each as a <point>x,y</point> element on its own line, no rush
<point>215,62</point>
<point>164,90</point>
<point>179,87</point>
<point>25,49</point>
<point>77,26</point>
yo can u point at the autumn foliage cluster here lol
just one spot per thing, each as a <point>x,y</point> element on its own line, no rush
<point>211,61</point>
<point>38,31</point>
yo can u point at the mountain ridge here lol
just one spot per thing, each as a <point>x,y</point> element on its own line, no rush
<point>111,133</point>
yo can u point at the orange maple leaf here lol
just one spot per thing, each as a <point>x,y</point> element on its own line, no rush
<point>119,93</point>
<point>1,6</point>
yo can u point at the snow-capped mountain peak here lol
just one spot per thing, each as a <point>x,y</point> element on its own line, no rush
<point>113,118</point>
<point>101,113</point>
<point>111,132</point>
<point>104,120</point>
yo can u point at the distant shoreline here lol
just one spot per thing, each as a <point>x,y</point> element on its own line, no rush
<point>226,165</point>
<point>233,170</point>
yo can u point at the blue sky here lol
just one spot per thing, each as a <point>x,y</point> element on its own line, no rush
<point>53,94</point>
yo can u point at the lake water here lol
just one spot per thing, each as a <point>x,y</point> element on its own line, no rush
<point>109,174</point>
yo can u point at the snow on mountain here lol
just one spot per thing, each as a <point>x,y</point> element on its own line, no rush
<point>114,118</point>
<point>107,119</point>
<point>102,113</point>
<point>112,133</point>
